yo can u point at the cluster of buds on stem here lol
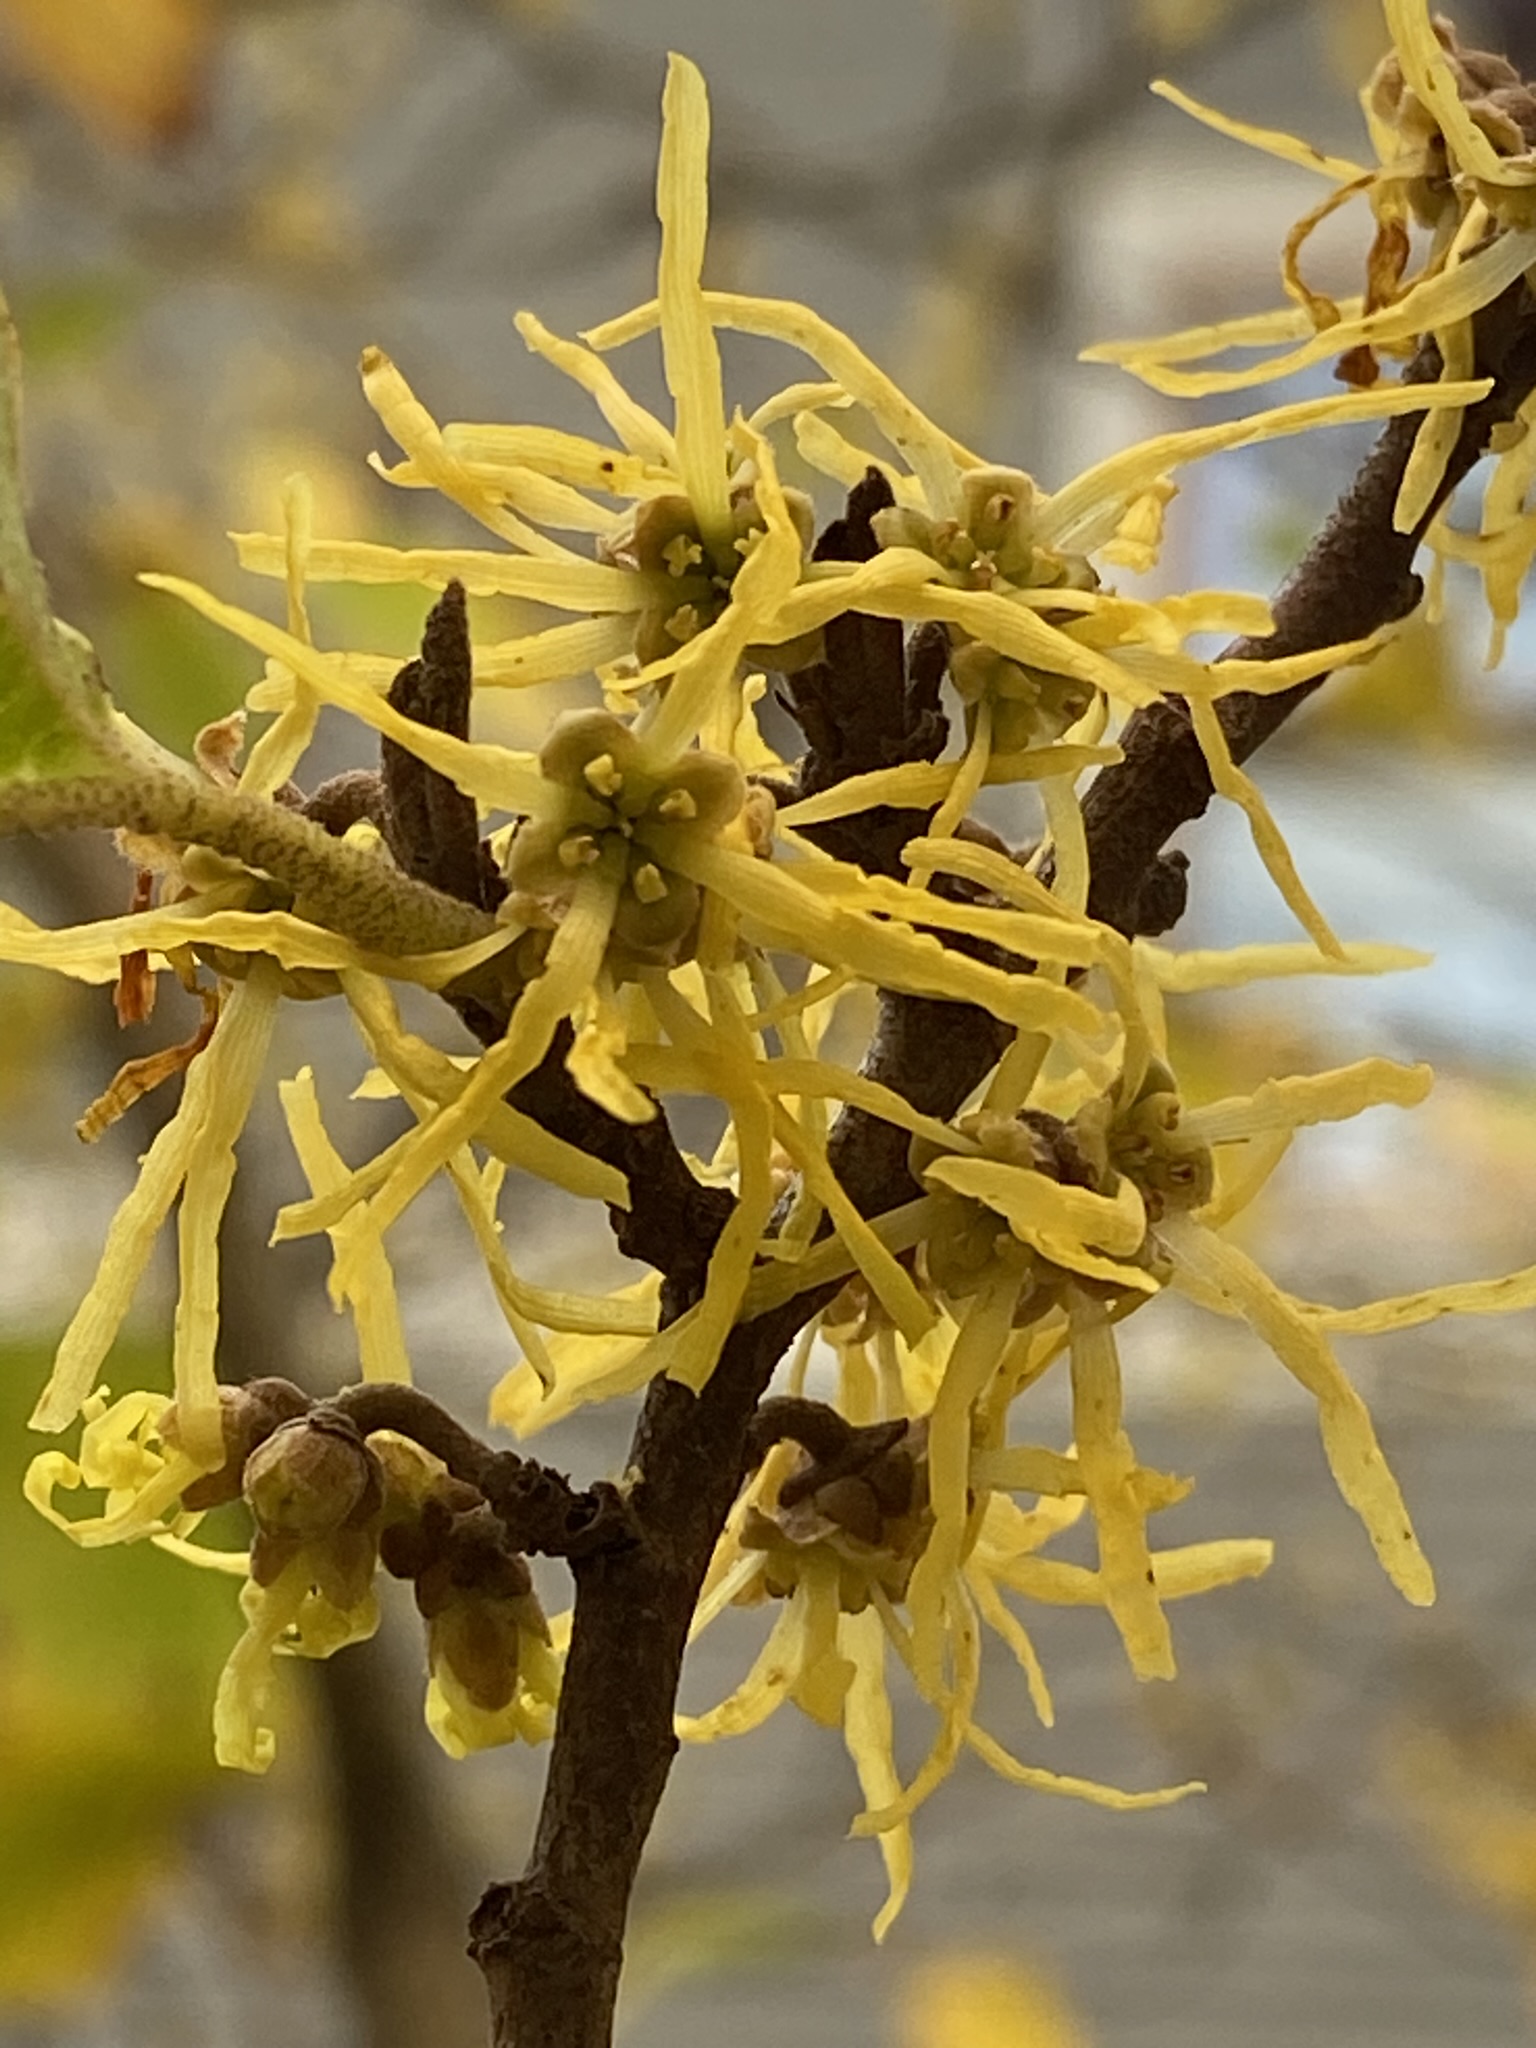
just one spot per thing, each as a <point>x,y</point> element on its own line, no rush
<point>853,1501</point>
<point>1500,104</point>
<point>1133,1160</point>
<point>492,1674</point>
<point>991,545</point>
<point>329,1504</point>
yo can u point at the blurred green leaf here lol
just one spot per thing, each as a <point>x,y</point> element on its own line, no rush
<point>55,716</point>
<point>171,671</point>
<point>70,318</point>
<point>108,1662</point>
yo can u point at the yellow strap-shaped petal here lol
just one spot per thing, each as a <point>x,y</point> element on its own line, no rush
<point>575,459</point>
<point>1498,1297</point>
<point>241,1739</point>
<point>1434,302</point>
<point>1237,966</point>
<point>890,1282</point>
<point>1032,1202</point>
<point>405,417</point>
<point>495,775</point>
<point>226,1073</point>
<point>935,457</point>
<point>1294,1100</point>
<point>1083,514</point>
<point>1036,1779</point>
<point>1438,431</point>
<point>586,1367</point>
<point>765,1687</point>
<point>1188,344</point>
<point>371,1297</point>
<point>916,784</point>
<point>1275,142</point>
<point>907,961</point>
<point>641,432</point>
<point>1364,1478</point>
<point>869,1735</point>
<point>282,746</point>
<point>1182,1572</point>
<point>568,586</point>
<point>1003,1622</point>
<point>690,353</point>
<point>1229,781</point>
<point>1131,1591</point>
<point>899,1230</point>
<point>571,965</point>
<point>543,500</point>
<point>973,1358</point>
<point>955,1705</point>
<point>1067,938</point>
<point>819,443</point>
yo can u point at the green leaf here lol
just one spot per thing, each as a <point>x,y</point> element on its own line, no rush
<point>39,739</point>
<point>55,716</point>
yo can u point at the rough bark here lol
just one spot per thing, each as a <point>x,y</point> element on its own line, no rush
<point>551,1943</point>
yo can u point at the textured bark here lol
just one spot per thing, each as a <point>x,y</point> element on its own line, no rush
<point>1357,576</point>
<point>551,1943</point>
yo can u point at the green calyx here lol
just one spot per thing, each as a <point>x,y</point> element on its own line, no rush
<point>663,540</point>
<point>616,797</point>
<point>1173,1170</point>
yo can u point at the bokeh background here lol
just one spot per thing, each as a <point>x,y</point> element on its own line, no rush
<point>207,207</point>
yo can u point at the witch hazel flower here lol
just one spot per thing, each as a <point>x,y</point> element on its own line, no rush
<point>661,918</point>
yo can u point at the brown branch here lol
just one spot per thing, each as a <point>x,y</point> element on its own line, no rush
<point>551,1943</point>
<point>542,1512</point>
<point>1356,577</point>
<point>674,1220</point>
<point>870,704</point>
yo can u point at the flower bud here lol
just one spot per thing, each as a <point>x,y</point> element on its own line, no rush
<point>249,1414</point>
<point>311,1477</point>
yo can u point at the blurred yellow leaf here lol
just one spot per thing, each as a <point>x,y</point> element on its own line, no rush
<point>981,2001</point>
<point>1182,24</point>
<point>690,1935</point>
<point>130,69</point>
<point>1410,695</point>
<point>1471,1790</point>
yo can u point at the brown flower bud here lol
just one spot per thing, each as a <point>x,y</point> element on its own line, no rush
<point>478,1640</point>
<point>249,1415</point>
<point>311,1477</point>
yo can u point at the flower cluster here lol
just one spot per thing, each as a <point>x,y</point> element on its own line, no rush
<point>328,1505</point>
<point>671,924</point>
<point>1454,134</point>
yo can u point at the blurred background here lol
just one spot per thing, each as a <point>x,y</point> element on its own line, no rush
<point>207,208</point>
